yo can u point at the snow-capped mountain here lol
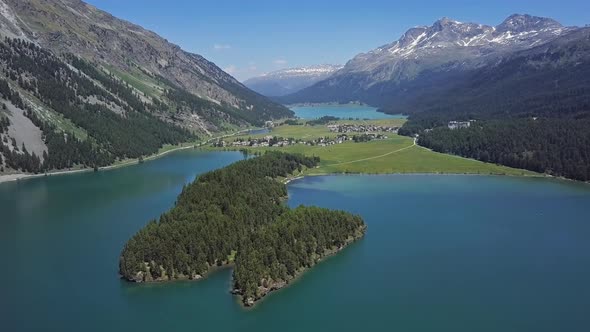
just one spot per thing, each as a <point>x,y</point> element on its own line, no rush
<point>286,81</point>
<point>461,40</point>
<point>446,46</point>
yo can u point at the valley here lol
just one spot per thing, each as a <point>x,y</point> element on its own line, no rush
<point>211,166</point>
<point>391,154</point>
<point>505,77</point>
<point>72,102</point>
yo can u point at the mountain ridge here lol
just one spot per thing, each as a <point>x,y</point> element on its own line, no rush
<point>447,45</point>
<point>76,27</point>
<point>93,89</point>
<point>290,80</point>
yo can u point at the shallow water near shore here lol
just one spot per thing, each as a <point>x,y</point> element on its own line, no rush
<point>442,253</point>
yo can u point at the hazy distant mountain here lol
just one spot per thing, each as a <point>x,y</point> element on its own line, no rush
<point>446,46</point>
<point>286,81</point>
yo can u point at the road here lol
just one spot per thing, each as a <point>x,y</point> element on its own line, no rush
<point>375,157</point>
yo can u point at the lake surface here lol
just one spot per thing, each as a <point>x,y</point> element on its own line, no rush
<point>442,253</point>
<point>343,112</point>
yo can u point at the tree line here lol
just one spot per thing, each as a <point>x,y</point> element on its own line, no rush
<point>224,211</point>
<point>559,147</point>
<point>324,120</point>
<point>297,240</point>
<point>132,134</point>
<point>532,110</point>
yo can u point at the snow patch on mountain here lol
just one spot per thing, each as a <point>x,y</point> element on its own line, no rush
<point>290,80</point>
<point>452,39</point>
<point>304,71</point>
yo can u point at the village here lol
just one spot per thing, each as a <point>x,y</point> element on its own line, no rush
<point>352,132</point>
<point>274,141</point>
<point>361,128</point>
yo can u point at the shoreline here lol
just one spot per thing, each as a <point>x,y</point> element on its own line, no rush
<point>17,177</point>
<point>528,176</point>
<point>328,104</point>
<point>523,176</point>
<point>236,292</point>
<point>213,269</point>
<point>329,253</point>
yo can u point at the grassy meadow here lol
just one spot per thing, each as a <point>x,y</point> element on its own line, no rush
<point>396,154</point>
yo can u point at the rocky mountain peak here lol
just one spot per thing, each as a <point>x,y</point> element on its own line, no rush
<point>445,23</point>
<point>520,23</point>
<point>447,45</point>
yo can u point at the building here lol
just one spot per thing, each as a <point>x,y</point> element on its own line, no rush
<point>459,124</point>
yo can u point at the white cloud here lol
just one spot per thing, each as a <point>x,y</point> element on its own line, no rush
<point>280,62</point>
<point>222,46</point>
<point>231,69</point>
<point>242,72</point>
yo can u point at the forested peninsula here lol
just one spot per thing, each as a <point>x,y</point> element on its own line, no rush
<point>236,215</point>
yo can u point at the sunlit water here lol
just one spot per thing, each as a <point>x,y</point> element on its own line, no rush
<point>344,112</point>
<point>442,253</point>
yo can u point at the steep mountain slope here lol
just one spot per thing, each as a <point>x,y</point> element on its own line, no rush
<point>65,112</point>
<point>550,80</point>
<point>287,81</point>
<point>83,88</point>
<point>446,47</point>
<point>72,26</point>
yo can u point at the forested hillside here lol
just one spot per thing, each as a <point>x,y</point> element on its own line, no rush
<point>118,124</point>
<point>237,213</point>
<point>145,60</point>
<point>555,146</point>
<point>532,110</point>
<point>82,88</point>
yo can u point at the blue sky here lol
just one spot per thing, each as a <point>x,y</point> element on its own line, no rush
<point>248,38</point>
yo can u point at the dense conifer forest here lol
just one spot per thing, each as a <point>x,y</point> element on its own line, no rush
<point>237,214</point>
<point>132,133</point>
<point>324,120</point>
<point>556,146</point>
<point>300,237</point>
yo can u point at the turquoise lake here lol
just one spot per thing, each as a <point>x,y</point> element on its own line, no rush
<point>442,253</point>
<point>343,112</point>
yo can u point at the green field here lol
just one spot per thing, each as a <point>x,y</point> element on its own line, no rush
<point>312,132</point>
<point>378,122</point>
<point>397,154</point>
